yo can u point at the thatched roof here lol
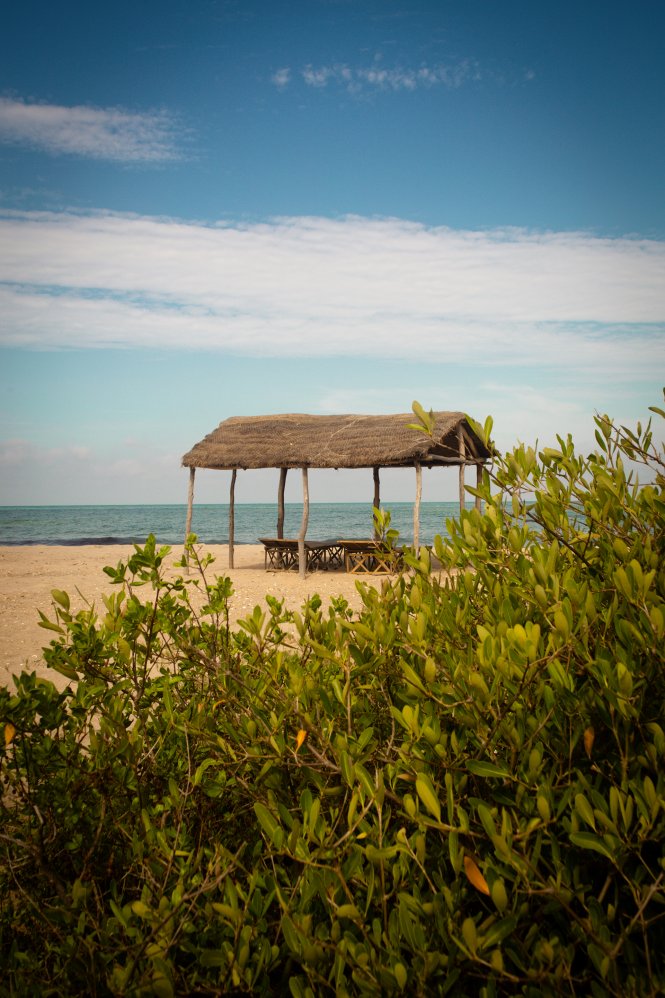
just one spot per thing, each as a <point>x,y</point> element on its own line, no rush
<point>296,440</point>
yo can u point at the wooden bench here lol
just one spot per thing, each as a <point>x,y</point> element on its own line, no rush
<point>281,553</point>
<point>370,557</point>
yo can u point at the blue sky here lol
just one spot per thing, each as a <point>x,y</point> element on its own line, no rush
<point>216,208</point>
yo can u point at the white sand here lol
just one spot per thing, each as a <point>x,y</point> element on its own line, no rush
<point>28,574</point>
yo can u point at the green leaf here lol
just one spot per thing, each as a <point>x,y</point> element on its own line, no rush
<point>399,970</point>
<point>501,929</point>
<point>291,936</point>
<point>48,625</point>
<point>61,598</point>
<point>489,769</point>
<point>347,768</point>
<point>500,898</point>
<point>119,913</point>
<point>64,670</point>
<point>425,791</point>
<point>198,775</point>
<point>425,419</point>
<point>268,823</point>
<point>585,840</point>
<point>585,810</point>
<point>487,820</point>
<point>412,677</point>
<point>469,934</point>
<point>377,855</point>
<point>212,958</point>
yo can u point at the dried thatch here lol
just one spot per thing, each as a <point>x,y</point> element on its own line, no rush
<point>296,441</point>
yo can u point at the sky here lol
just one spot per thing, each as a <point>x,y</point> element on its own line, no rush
<point>238,207</point>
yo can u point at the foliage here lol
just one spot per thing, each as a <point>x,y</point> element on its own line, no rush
<point>458,790</point>
<point>382,530</point>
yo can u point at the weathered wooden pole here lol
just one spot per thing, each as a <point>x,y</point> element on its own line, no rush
<point>302,561</point>
<point>190,503</point>
<point>232,516</point>
<point>190,507</point>
<point>280,502</point>
<point>479,482</point>
<point>377,498</point>
<point>416,507</point>
<point>462,467</point>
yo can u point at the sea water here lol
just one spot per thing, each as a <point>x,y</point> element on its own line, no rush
<point>73,525</point>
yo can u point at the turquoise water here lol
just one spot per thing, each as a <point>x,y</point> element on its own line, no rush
<point>126,524</point>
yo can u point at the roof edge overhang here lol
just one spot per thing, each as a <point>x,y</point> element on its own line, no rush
<point>442,452</point>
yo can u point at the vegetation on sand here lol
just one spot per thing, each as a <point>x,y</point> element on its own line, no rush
<point>459,790</point>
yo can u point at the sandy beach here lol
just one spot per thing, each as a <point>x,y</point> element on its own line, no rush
<point>28,574</point>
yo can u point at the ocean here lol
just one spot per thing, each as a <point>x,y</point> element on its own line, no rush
<point>74,525</point>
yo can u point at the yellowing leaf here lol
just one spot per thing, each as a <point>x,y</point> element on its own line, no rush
<point>500,895</point>
<point>399,970</point>
<point>469,933</point>
<point>585,810</point>
<point>561,623</point>
<point>10,731</point>
<point>474,876</point>
<point>300,738</point>
<point>427,795</point>
<point>589,736</point>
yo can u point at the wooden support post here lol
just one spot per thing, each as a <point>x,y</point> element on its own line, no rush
<point>302,561</point>
<point>190,507</point>
<point>232,516</point>
<point>377,497</point>
<point>280,502</point>
<point>416,508</point>
<point>462,467</point>
<point>479,482</point>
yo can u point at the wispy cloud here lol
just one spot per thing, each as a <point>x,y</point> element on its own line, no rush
<point>17,452</point>
<point>281,78</point>
<point>96,133</point>
<point>377,77</point>
<point>316,287</point>
<point>71,471</point>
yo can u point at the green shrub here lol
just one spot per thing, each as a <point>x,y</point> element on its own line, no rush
<point>458,790</point>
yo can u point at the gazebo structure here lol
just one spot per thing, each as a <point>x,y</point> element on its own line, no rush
<point>300,441</point>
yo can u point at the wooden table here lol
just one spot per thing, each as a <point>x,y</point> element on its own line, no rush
<point>370,557</point>
<point>282,553</point>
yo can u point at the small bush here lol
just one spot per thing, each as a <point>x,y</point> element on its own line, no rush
<point>458,790</point>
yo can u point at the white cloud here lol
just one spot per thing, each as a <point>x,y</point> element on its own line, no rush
<point>14,452</point>
<point>318,77</point>
<point>17,452</point>
<point>317,287</point>
<point>97,133</point>
<point>452,77</point>
<point>37,473</point>
<point>377,77</point>
<point>281,78</point>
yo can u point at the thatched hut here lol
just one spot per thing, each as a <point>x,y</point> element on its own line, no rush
<point>352,441</point>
